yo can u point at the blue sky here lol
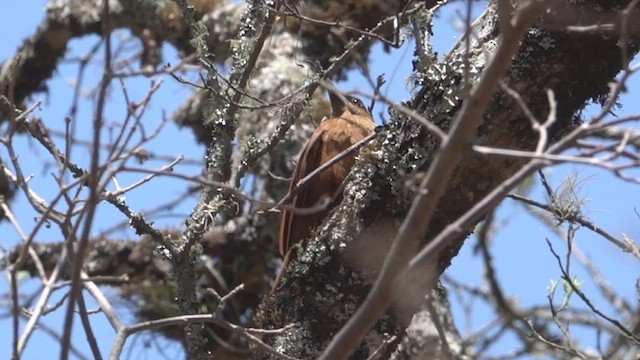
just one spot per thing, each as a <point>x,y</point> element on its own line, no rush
<point>524,265</point>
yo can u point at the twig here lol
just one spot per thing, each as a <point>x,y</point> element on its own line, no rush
<point>94,191</point>
<point>628,334</point>
<point>125,332</point>
<point>579,220</point>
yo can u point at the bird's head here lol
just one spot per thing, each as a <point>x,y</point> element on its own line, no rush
<point>341,103</point>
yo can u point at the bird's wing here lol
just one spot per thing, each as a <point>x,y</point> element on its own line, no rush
<point>308,161</point>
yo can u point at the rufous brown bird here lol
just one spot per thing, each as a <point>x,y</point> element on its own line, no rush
<point>350,122</point>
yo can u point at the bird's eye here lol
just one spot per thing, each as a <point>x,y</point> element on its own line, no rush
<point>357,102</point>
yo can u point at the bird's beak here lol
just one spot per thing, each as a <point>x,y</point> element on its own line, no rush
<point>337,104</point>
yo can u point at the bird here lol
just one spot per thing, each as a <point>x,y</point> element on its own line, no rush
<point>349,123</point>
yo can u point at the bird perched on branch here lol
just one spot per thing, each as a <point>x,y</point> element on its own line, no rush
<point>350,122</point>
